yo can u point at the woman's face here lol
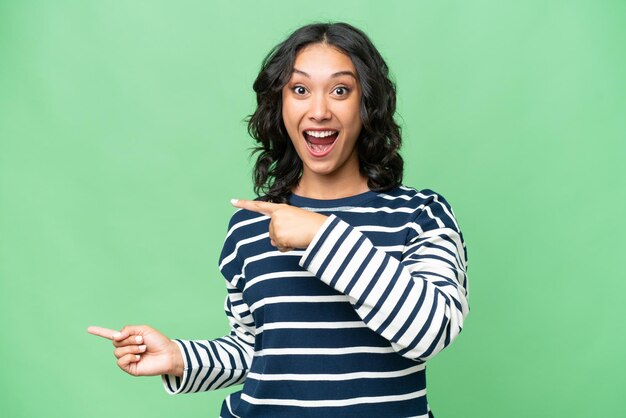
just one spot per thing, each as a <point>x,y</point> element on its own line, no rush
<point>321,105</point>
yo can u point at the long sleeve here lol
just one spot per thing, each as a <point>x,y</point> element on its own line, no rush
<point>214,364</point>
<point>418,302</point>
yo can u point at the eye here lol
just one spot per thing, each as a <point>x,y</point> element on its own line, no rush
<point>341,91</point>
<point>299,90</point>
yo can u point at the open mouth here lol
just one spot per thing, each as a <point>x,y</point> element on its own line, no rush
<point>320,142</point>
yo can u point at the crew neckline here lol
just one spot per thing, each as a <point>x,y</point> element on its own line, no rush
<point>355,200</point>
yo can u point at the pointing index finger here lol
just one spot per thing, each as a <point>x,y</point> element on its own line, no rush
<point>264,208</point>
<point>102,332</point>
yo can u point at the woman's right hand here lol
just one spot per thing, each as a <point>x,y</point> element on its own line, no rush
<point>143,351</point>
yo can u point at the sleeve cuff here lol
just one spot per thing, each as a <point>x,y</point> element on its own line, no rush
<point>318,241</point>
<point>173,384</point>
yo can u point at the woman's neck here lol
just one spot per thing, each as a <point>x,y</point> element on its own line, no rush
<point>330,187</point>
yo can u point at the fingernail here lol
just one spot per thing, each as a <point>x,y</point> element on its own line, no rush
<point>142,348</point>
<point>137,356</point>
<point>234,201</point>
<point>117,335</point>
<point>139,338</point>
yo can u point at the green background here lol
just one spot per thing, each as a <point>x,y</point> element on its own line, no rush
<point>122,140</point>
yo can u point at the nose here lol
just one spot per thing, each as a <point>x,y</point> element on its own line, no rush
<point>319,110</point>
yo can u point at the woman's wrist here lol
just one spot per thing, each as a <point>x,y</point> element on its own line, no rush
<point>177,367</point>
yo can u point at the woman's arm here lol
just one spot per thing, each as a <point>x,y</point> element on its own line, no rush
<point>215,364</point>
<point>188,366</point>
<point>418,304</point>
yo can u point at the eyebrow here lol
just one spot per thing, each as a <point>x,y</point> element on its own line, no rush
<point>334,75</point>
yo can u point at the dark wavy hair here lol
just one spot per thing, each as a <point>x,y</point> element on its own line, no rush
<point>278,167</point>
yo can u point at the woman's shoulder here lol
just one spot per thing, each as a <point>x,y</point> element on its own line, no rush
<point>246,222</point>
<point>244,226</point>
<point>417,198</point>
<point>426,205</point>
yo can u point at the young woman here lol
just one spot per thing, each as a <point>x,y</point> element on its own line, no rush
<point>341,282</point>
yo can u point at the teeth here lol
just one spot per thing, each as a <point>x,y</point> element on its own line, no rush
<point>320,134</point>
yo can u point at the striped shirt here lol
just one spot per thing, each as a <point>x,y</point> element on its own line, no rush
<point>344,327</point>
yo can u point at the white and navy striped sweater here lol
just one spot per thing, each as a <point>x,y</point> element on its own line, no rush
<point>343,328</point>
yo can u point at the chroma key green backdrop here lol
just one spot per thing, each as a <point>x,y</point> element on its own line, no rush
<point>122,140</point>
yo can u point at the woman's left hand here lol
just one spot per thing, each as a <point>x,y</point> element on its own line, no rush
<point>290,227</point>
